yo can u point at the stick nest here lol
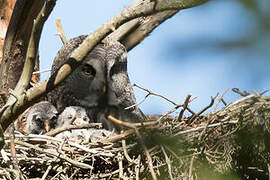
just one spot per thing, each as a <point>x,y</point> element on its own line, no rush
<point>233,141</point>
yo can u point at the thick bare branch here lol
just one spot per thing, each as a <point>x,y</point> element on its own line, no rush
<point>147,25</point>
<point>32,50</point>
<point>133,32</point>
<point>70,127</point>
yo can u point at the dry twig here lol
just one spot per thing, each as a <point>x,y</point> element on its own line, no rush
<point>184,107</point>
<point>71,127</point>
<point>168,162</point>
<point>149,159</point>
<point>203,110</point>
<point>60,31</point>
<point>130,124</point>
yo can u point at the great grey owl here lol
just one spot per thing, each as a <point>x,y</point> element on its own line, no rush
<point>42,117</point>
<point>100,84</point>
<point>77,115</point>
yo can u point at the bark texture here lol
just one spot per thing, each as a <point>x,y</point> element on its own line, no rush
<point>16,41</point>
<point>6,7</point>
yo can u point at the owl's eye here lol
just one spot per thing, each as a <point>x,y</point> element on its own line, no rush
<point>37,118</point>
<point>88,70</point>
<point>53,118</point>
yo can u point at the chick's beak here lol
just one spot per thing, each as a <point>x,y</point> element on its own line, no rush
<point>47,126</point>
<point>104,89</point>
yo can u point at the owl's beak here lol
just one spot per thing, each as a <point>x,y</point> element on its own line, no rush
<point>104,89</point>
<point>47,125</point>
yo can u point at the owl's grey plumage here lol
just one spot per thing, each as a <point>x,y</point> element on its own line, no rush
<point>81,117</point>
<point>41,118</point>
<point>100,84</point>
<point>73,112</point>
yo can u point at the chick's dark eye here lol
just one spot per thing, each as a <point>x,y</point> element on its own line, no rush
<point>88,70</point>
<point>54,118</point>
<point>37,118</point>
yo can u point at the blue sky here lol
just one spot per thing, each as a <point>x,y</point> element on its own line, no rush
<point>176,59</point>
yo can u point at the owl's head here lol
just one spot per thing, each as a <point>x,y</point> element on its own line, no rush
<point>91,83</point>
<point>86,86</point>
<point>73,115</point>
<point>42,117</point>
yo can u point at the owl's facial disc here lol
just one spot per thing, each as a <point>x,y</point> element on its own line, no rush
<point>88,83</point>
<point>89,71</point>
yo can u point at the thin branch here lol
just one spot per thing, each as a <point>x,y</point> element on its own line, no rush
<point>137,168</point>
<point>242,93</point>
<point>190,168</point>
<point>167,113</point>
<point>159,95</point>
<point>108,175</point>
<point>139,103</point>
<point>168,161</point>
<point>204,109</point>
<point>149,159</point>
<point>117,137</point>
<point>129,124</point>
<point>219,100</point>
<point>71,127</point>
<point>13,151</point>
<point>120,164</point>
<point>148,156</point>
<point>42,71</point>
<point>203,132</point>
<point>125,151</point>
<point>224,102</point>
<point>203,127</point>
<point>60,31</point>
<point>184,107</point>
<point>256,93</point>
<point>163,97</point>
<point>46,172</point>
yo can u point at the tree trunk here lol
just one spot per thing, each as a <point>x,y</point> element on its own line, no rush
<point>16,41</point>
<point>5,15</point>
<point>6,7</point>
